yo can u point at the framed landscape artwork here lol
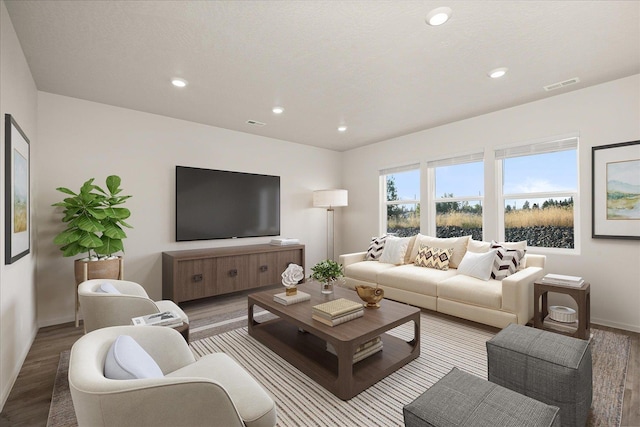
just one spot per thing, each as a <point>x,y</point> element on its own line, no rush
<point>616,191</point>
<point>17,192</point>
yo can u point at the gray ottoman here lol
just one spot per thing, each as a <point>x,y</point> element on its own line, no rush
<point>549,367</point>
<point>462,399</point>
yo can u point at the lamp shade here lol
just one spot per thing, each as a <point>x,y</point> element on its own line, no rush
<point>330,198</point>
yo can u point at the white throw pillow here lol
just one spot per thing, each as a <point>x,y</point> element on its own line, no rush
<point>394,250</point>
<point>478,246</point>
<point>477,265</point>
<point>459,245</point>
<point>108,288</point>
<point>126,360</point>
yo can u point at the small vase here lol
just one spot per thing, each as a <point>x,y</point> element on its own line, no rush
<point>326,287</point>
<point>291,290</point>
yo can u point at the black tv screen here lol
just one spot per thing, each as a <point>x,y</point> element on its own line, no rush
<point>217,204</point>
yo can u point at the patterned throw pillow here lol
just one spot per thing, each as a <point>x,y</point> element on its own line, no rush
<point>506,261</point>
<point>433,257</point>
<point>375,248</point>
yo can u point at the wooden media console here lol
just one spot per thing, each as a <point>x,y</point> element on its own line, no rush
<point>201,273</point>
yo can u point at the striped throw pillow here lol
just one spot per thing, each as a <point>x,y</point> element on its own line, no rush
<point>375,248</point>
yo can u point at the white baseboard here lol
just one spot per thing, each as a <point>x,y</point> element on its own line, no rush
<point>623,326</point>
<point>56,321</point>
<point>14,375</point>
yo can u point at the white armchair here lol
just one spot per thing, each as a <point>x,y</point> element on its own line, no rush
<point>100,309</point>
<point>211,391</point>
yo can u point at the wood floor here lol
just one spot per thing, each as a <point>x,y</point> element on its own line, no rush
<point>28,402</point>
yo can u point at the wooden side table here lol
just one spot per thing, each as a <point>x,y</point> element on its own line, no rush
<point>581,295</point>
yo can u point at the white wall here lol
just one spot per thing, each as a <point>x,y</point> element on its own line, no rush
<point>18,97</point>
<point>604,114</point>
<point>81,140</point>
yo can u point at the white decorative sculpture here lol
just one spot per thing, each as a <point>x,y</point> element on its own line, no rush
<point>290,278</point>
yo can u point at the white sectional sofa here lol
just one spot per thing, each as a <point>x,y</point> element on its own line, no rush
<point>492,302</point>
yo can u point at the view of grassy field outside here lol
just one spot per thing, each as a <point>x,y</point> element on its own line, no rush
<point>537,210</point>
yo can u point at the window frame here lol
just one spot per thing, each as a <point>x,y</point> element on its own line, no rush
<point>542,146</point>
<point>383,173</point>
<point>432,199</point>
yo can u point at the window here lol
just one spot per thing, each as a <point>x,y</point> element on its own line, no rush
<point>539,189</point>
<point>401,187</point>
<point>458,195</point>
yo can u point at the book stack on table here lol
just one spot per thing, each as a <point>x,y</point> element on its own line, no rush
<point>338,311</point>
<point>285,299</point>
<point>560,279</point>
<point>363,351</point>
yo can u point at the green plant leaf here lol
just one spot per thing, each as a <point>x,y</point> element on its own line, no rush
<point>87,187</point>
<point>66,190</point>
<point>67,236</point>
<point>113,182</point>
<point>109,246</point>
<point>113,231</point>
<point>89,224</point>
<point>72,249</point>
<point>125,224</point>
<point>90,240</point>
<point>97,213</point>
<point>118,213</point>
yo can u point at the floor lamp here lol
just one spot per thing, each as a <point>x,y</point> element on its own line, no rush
<point>330,199</point>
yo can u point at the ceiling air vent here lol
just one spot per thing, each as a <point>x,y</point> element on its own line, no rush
<point>255,123</point>
<point>559,85</point>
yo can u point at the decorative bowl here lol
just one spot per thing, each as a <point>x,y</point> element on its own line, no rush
<point>370,295</point>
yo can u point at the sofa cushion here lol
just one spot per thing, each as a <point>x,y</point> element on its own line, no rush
<point>366,270</point>
<point>127,360</point>
<point>459,245</point>
<point>477,265</point>
<point>394,250</point>
<point>375,248</point>
<point>433,257</point>
<point>470,290</point>
<point>411,278</point>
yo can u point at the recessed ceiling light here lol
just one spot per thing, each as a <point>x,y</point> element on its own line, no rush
<point>438,16</point>
<point>278,110</point>
<point>178,82</point>
<point>498,72</point>
<point>342,128</point>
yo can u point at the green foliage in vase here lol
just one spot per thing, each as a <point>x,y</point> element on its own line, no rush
<point>93,219</point>
<point>326,270</point>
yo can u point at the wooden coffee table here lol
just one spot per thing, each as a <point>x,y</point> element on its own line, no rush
<point>301,341</point>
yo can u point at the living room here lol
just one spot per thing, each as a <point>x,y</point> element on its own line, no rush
<point>74,139</point>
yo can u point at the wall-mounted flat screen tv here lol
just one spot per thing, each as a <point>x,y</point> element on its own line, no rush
<point>218,204</point>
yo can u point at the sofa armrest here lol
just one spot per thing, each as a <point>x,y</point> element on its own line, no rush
<point>517,292</point>
<point>347,259</point>
<point>532,260</point>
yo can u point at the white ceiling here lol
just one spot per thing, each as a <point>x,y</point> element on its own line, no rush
<point>374,66</point>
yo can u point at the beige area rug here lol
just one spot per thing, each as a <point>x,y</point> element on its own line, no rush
<point>445,344</point>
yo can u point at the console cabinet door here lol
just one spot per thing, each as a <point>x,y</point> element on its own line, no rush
<point>232,274</point>
<point>264,270</point>
<point>197,279</point>
<point>288,257</point>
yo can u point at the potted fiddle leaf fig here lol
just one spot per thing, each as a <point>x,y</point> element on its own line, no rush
<point>94,219</point>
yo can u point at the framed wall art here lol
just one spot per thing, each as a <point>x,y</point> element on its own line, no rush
<point>616,191</point>
<point>17,192</point>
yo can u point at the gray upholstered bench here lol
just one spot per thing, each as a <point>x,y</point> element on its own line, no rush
<point>462,399</point>
<point>549,367</point>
